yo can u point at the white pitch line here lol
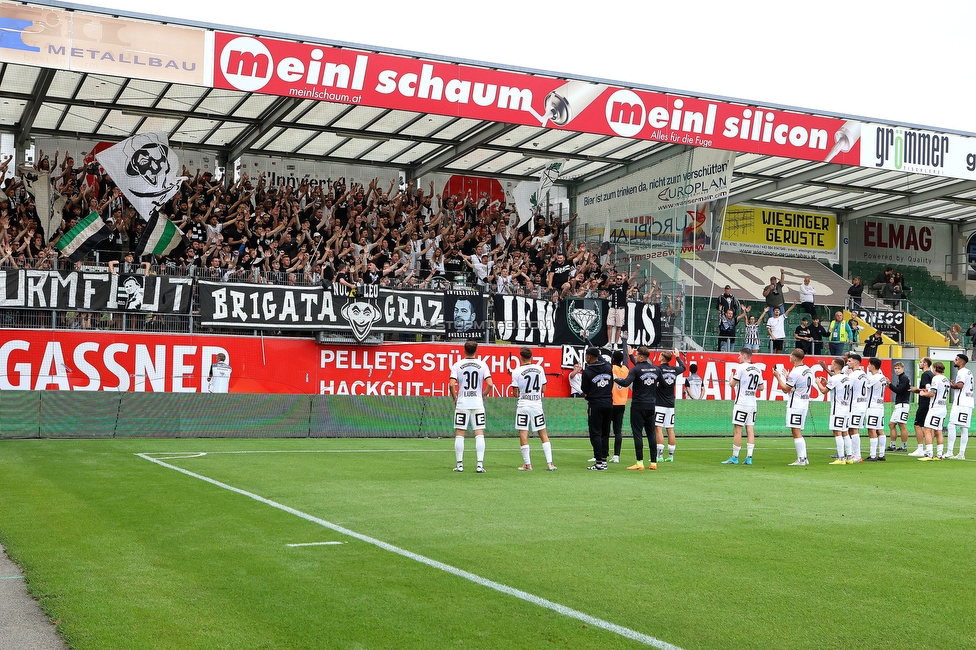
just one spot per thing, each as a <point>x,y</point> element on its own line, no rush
<point>625,632</point>
<point>315,544</point>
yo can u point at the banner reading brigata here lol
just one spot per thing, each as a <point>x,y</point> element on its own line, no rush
<point>112,361</point>
<point>319,72</point>
<point>371,309</point>
<point>784,233</point>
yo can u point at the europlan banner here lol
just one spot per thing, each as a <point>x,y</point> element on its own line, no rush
<point>110,361</point>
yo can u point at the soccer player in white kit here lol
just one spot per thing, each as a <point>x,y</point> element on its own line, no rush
<point>839,389</point>
<point>529,381</point>
<point>962,408</point>
<point>747,381</point>
<point>859,407</point>
<point>938,390</point>
<point>470,380</point>
<point>797,386</point>
<point>876,385</point>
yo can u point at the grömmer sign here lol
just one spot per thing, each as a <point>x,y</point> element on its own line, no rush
<point>318,72</point>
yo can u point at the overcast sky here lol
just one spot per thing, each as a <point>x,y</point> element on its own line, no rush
<point>902,63</point>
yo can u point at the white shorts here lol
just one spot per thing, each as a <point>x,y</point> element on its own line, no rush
<point>530,418</point>
<point>960,416</point>
<point>856,420</point>
<point>475,418</point>
<point>840,422</point>
<point>664,417</point>
<point>615,317</point>
<point>874,419</point>
<point>900,414</point>
<point>935,420</point>
<point>796,418</point>
<point>743,416</point>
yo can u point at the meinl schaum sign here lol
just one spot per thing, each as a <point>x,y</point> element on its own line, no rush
<point>370,310</point>
<point>82,291</point>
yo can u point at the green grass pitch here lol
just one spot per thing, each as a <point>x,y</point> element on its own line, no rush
<point>126,553</point>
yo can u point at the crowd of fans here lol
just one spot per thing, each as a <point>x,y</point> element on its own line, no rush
<point>347,232</point>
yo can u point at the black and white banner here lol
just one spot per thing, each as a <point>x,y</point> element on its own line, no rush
<point>889,323</point>
<point>575,321</point>
<point>371,310</point>
<point>466,314</point>
<point>97,291</point>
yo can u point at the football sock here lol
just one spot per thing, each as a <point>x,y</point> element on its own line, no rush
<point>938,450</point>
<point>963,441</point>
<point>881,447</point>
<point>952,439</point>
<point>749,448</point>
<point>801,447</point>
<point>921,447</point>
<point>547,450</point>
<point>671,450</point>
<point>928,450</point>
<point>847,445</point>
<point>525,454</point>
<point>479,447</point>
<point>874,447</point>
<point>735,451</point>
<point>856,445</point>
<point>660,451</point>
<point>459,448</point>
<point>840,446</point>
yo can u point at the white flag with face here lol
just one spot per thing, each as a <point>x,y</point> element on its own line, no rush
<point>145,169</point>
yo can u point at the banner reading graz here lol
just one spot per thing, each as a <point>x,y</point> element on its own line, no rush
<point>29,289</point>
<point>313,308</point>
<point>532,321</point>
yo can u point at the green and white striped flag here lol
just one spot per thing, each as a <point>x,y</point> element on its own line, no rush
<point>84,237</point>
<point>159,237</point>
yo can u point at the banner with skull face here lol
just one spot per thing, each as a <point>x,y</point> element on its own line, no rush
<point>145,169</point>
<point>330,308</point>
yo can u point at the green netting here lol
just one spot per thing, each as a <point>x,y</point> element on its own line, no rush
<point>54,414</point>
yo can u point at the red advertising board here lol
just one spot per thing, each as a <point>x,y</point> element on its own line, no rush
<point>82,360</point>
<point>311,71</point>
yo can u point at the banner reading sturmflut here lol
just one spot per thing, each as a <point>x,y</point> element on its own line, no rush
<point>372,310</point>
<point>79,290</point>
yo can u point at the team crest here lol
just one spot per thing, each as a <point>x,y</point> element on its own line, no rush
<point>584,317</point>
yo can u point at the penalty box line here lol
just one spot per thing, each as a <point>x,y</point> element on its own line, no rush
<point>625,632</point>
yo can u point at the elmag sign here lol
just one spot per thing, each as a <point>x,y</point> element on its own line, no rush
<point>784,233</point>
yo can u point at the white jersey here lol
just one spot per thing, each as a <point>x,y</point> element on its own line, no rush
<point>470,375</point>
<point>749,377</point>
<point>530,380</point>
<point>219,377</point>
<point>859,400</point>
<point>840,394</point>
<point>963,397</point>
<point>875,385</point>
<point>800,380</point>
<point>940,386</point>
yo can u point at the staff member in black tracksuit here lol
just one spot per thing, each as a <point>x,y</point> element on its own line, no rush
<point>598,388</point>
<point>900,386</point>
<point>644,377</point>
<point>664,410</point>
